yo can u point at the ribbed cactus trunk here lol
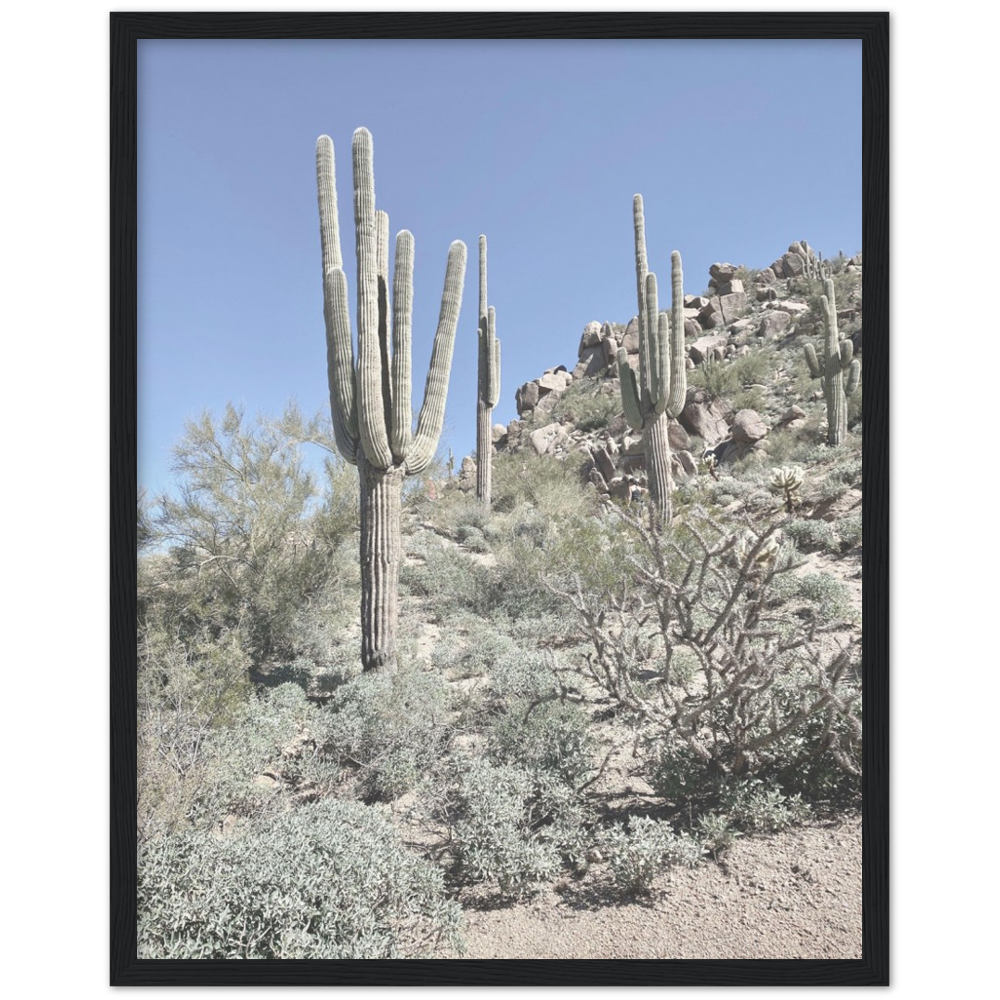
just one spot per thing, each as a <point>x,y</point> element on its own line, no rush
<point>370,394</point>
<point>381,495</point>
<point>838,358</point>
<point>656,445</point>
<point>484,452</point>
<point>488,385</point>
<point>661,389</point>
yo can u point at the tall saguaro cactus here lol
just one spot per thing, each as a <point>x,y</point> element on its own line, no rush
<point>838,358</point>
<point>489,385</point>
<point>370,394</point>
<point>661,388</point>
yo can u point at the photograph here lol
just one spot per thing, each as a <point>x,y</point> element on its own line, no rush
<point>501,476</point>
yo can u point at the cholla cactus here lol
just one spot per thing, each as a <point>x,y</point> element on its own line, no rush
<point>838,358</point>
<point>787,481</point>
<point>764,558</point>
<point>370,395</point>
<point>489,385</point>
<point>661,389</point>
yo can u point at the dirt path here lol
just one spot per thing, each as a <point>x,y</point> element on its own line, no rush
<point>790,895</point>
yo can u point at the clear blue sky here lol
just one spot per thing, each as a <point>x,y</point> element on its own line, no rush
<point>738,148</point>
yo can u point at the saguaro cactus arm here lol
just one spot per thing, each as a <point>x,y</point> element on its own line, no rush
<point>370,397</point>
<point>493,387</point>
<point>431,418</point>
<point>402,327</point>
<point>676,376</point>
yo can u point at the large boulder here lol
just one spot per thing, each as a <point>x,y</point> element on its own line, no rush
<point>592,362</point>
<point>704,416</point>
<point>467,474</point>
<point>773,323</point>
<point>552,382</point>
<point>748,427</point>
<point>686,461</point>
<point>731,287</point>
<point>794,265</point>
<point>545,439</point>
<point>604,462</point>
<point>526,398</point>
<point>792,418</point>
<point>591,336</point>
<point>692,328</point>
<point>630,340</point>
<point>711,316</point>
<point>703,347</point>
<point>677,436</point>
<point>723,272</point>
<point>734,305</point>
<point>766,276</point>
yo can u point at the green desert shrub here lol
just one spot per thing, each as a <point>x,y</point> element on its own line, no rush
<point>390,728</point>
<point>513,828</point>
<point>549,737</point>
<point>327,881</point>
<point>642,849</point>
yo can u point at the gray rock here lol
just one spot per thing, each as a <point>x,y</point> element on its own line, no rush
<point>792,307</point>
<point>591,336</point>
<point>704,416</point>
<point>766,294</point>
<point>609,346</point>
<point>692,328</point>
<point>687,462</point>
<point>794,416</point>
<point>545,439</point>
<point>794,265</point>
<point>710,316</point>
<point>767,276</point>
<point>598,480</point>
<point>526,398</point>
<point>604,463</point>
<point>499,432</point>
<point>723,272</point>
<point>591,362</point>
<point>734,305</point>
<point>773,322</point>
<point>748,427</point>
<point>677,436</point>
<point>703,346</point>
<point>630,339</point>
<point>550,382</point>
<point>731,287</point>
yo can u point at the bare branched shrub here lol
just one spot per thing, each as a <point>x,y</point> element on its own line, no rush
<point>695,641</point>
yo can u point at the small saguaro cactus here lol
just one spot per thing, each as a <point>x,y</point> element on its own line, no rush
<point>838,358</point>
<point>489,385</point>
<point>661,389</point>
<point>370,395</point>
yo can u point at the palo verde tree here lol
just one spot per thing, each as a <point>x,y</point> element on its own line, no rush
<point>662,385</point>
<point>489,385</point>
<point>370,395</point>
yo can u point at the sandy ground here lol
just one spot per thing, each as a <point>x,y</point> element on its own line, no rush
<point>791,895</point>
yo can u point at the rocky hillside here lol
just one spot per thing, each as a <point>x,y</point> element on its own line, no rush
<point>747,381</point>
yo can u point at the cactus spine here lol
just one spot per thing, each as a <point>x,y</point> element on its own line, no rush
<point>370,395</point>
<point>838,358</point>
<point>489,385</point>
<point>661,389</point>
